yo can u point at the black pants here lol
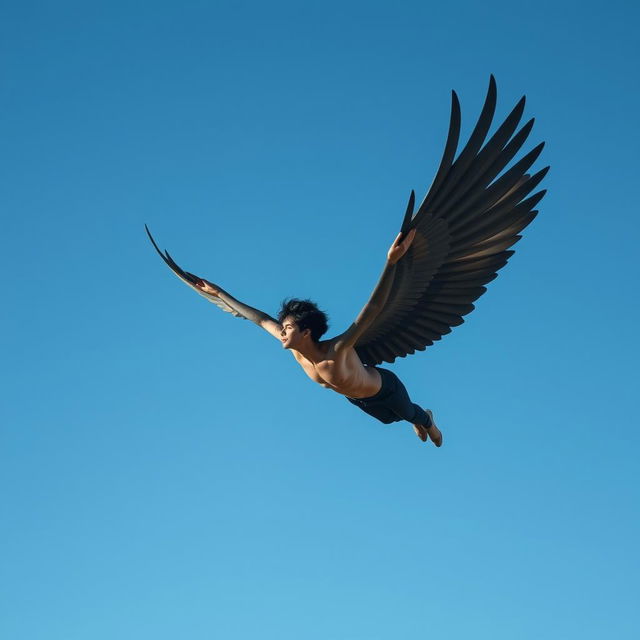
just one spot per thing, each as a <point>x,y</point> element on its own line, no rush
<point>392,403</point>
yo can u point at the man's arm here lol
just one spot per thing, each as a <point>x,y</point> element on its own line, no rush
<point>379,296</point>
<point>255,315</point>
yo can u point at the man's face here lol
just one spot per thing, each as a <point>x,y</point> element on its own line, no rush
<point>291,336</point>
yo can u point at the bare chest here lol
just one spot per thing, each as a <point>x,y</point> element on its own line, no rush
<point>346,375</point>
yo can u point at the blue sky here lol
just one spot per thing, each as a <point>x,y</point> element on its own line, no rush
<point>168,471</point>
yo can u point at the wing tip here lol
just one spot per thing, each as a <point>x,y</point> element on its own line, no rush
<point>492,91</point>
<point>409,212</point>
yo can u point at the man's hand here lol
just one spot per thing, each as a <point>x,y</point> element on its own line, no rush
<point>400,246</point>
<point>208,287</point>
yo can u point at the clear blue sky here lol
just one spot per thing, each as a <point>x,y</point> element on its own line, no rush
<point>167,471</point>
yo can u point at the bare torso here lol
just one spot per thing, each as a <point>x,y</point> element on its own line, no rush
<point>342,372</point>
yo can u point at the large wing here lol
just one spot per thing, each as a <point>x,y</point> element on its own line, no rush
<point>465,225</point>
<point>189,278</point>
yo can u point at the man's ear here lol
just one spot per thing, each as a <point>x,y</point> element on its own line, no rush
<point>306,332</point>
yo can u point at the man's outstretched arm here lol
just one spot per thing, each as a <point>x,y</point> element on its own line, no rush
<point>379,296</point>
<point>255,315</point>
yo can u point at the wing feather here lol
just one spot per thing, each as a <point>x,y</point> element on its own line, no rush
<point>447,157</point>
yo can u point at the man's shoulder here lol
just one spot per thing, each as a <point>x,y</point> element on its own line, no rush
<point>333,353</point>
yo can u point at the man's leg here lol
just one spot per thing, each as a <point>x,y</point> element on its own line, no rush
<point>423,423</point>
<point>377,410</point>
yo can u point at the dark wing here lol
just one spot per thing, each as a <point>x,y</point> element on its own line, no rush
<point>189,278</point>
<point>464,228</point>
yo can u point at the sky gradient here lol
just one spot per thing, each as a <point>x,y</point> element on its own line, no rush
<point>168,471</point>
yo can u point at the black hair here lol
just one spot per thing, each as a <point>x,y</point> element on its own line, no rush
<point>306,315</point>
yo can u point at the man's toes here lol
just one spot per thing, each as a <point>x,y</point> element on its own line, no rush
<point>421,432</point>
<point>435,435</point>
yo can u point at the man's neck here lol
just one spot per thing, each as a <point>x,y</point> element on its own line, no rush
<point>314,351</point>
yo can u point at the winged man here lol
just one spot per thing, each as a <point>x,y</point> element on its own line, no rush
<point>437,266</point>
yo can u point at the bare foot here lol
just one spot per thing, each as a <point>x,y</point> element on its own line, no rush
<point>432,432</point>
<point>421,432</point>
<point>436,435</point>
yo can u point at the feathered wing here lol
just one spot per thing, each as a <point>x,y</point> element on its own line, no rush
<point>190,279</point>
<point>464,228</point>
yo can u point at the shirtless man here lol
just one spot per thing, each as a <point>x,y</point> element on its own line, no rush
<point>334,363</point>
